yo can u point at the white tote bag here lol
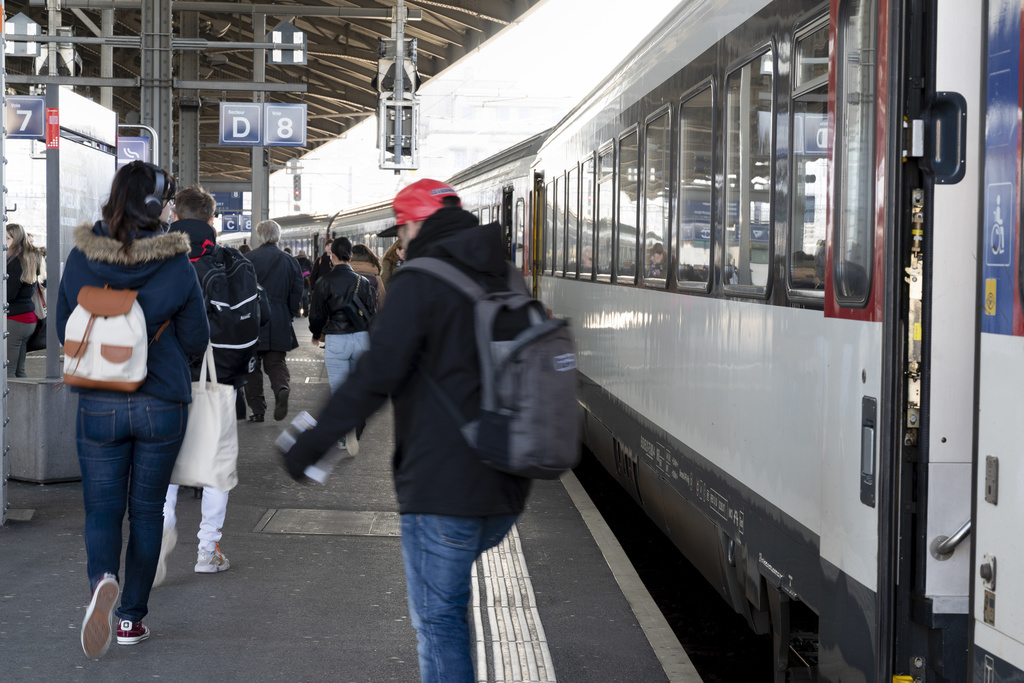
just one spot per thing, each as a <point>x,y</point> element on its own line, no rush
<point>209,453</point>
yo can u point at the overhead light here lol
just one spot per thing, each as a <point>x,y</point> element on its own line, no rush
<point>216,59</point>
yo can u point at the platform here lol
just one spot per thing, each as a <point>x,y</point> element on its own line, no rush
<point>316,589</point>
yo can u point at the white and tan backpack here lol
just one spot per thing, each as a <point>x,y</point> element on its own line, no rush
<point>105,340</point>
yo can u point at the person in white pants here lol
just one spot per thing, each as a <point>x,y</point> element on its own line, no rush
<point>210,559</point>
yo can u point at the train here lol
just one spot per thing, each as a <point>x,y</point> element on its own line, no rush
<point>787,234</point>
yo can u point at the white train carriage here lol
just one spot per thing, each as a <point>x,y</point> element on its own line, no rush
<point>762,225</point>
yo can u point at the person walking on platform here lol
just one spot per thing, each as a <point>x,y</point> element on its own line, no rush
<point>26,272</point>
<point>234,351</point>
<point>322,266</point>
<point>392,260</point>
<point>281,279</point>
<point>128,440</point>
<point>453,507</point>
<point>366,263</point>
<point>344,304</point>
<point>306,266</point>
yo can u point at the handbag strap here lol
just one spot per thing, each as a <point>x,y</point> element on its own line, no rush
<point>209,368</point>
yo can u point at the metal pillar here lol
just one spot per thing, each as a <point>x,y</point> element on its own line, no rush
<point>53,269</point>
<point>188,106</point>
<point>107,59</point>
<point>5,465</point>
<point>157,76</point>
<point>260,172</point>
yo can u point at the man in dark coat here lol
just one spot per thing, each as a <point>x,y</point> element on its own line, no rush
<point>426,335</point>
<point>281,279</point>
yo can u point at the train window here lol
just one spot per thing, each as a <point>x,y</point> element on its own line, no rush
<point>549,234</point>
<point>572,223</point>
<point>810,164</point>
<point>696,151</point>
<point>853,243</point>
<point>748,173</point>
<point>587,221</point>
<point>605,202</point>
<point>558,225</point>
<point>628,170</point>
<point>520,233</point>
<point>657,188</point>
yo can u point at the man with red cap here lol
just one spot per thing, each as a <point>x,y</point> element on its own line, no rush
<point>453,507</point>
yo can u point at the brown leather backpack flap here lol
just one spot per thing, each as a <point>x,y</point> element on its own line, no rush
<point>106,302</point>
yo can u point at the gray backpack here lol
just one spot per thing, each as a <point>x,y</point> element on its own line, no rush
<point>528,423</point>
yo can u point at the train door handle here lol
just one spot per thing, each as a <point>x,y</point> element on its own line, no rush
<point>869,408</point>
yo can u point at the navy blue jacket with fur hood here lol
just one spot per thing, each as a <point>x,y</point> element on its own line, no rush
<point>157,267</point>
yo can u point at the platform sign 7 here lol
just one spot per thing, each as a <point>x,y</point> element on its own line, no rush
<point>284,125</point>
<point>25,118</point>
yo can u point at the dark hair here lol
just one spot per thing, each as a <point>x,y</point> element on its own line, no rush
<point>342,248</point>
<point>361,252</point>
<point>125,211</point>
<point>195,203</point>
<point>450,201</point>
<point>244,249</point>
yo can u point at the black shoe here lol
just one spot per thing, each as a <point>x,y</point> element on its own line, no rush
<point>281,405</point>
<point>255,418</point>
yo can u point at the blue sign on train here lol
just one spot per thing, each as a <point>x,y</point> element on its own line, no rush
<point>1002,69</point>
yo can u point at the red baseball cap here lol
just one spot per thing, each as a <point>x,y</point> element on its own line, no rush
<point>420,200</point>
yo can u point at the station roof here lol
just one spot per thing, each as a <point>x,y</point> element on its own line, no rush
<point>342,60</point>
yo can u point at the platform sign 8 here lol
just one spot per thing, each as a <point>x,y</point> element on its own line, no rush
<point>284,125</point>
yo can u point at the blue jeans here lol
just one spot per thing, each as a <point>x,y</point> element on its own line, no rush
<point>341,351</point>
<point>127,445</point>
<point>439,552</point>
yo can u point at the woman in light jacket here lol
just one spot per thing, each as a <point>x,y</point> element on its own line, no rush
<point>128,442</point>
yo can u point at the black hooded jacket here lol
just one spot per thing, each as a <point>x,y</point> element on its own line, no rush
<point>427,327</point>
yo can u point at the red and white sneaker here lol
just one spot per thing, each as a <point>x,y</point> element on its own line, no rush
<point>131,632</point>
<point>96,627</point>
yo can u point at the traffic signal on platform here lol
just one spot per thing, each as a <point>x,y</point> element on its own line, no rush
<point>297,192</point>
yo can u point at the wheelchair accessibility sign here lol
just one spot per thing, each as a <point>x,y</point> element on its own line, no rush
<point>999,225</point>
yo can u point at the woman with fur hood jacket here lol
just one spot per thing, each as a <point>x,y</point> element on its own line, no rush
<point>128,442</point>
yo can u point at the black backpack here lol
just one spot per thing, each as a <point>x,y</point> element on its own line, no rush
<point>232,297</point>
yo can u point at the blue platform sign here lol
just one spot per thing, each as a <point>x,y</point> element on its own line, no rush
<point>25,117</point>
<point>131,149</point>
<point>285,125</point>
<point>236,222</point>
<point>228,202</point>
<point>241,123</point>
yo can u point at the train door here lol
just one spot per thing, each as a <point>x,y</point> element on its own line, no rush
<point>506,217</point>
<point>997,595</point>
<point>924,553</point>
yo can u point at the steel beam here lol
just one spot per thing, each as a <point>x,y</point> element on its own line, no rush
<point>253,86</point>
<point>241,8</point>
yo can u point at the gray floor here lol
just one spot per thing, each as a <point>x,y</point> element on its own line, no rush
<point>326,604</point>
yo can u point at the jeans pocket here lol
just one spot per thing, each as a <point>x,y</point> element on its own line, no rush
<point>458,532</point>
<point>96,428</point>
<point>166,422</point>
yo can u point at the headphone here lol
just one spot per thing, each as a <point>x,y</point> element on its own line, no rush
<point>155,202</point>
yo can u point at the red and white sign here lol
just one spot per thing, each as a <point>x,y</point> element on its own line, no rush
<point>52,128</point>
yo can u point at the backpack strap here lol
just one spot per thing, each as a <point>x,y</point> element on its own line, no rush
<point>448,273</point>
<point>159,332</point>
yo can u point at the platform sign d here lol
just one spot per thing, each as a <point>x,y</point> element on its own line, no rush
<point>131,149</point>
<point>285,125</point>
<point>25,117</point>
<point>241,123</point>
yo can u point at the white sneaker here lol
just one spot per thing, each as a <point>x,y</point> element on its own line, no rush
<point>352,443</point>
<point>211,563</point>
<point>170,539</point>
<point>96,627</point>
